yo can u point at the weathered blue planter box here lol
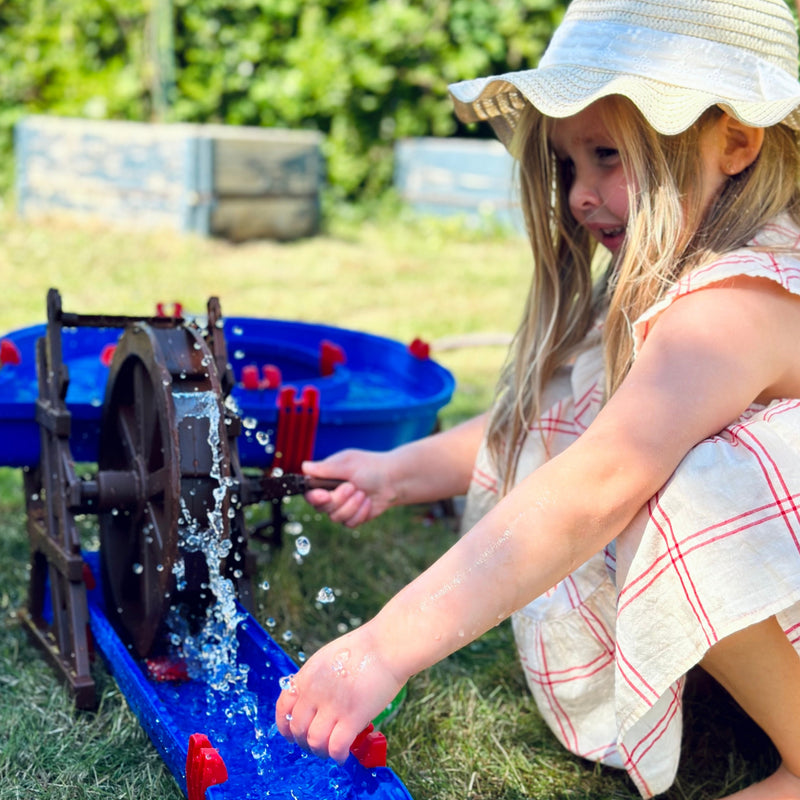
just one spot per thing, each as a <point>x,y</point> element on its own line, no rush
<point>215,180</point>
<point>469,177</point>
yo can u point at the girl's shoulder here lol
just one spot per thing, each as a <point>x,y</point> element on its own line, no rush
<point>773,254</point>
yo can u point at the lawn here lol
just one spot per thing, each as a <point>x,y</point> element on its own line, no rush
<point>468,729</point>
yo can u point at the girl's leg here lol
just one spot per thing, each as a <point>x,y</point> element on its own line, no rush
<point>761,670</point>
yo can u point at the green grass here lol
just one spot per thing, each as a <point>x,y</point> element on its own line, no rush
<point>468,729</point>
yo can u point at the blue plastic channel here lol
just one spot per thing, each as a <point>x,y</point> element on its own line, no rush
<point>170,712</point>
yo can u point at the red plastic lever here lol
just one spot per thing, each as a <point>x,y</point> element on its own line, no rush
<point>369,747</point>
<point>9,352</point>
<point>204,767</point>
<point>297,427</point>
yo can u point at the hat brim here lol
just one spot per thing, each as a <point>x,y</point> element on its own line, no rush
<point>562,91</point>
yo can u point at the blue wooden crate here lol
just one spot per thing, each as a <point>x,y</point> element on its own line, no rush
<point>217,180</point>
<point>473,178</point>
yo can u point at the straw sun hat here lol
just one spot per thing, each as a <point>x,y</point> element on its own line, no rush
<point>672,58</point>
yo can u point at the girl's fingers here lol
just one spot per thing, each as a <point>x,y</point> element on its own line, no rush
<point>340,739</point>
<point>330,501</point>
<point>350,508</point>
<point>318,736</point>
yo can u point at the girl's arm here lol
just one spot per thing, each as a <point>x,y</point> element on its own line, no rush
<point>433,468</point>
<point>709,356</point>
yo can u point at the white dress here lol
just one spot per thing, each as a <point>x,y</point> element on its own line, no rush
<point>720,551</point>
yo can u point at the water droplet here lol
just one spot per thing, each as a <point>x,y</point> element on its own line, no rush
<point>236,330</point>
<point>325,595</point>
<point>262,437</point>
<point>265,585</point>
<point>302,545</point>
<point>238,354</point>
<point>287,636</point>
<point>250,423</point>
<point>138,569</point>
<point>270,623</point>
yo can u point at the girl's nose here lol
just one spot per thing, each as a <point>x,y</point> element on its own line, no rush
<point>583,194</point>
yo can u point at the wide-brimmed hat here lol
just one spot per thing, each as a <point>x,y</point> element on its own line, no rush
<point>672,58</point>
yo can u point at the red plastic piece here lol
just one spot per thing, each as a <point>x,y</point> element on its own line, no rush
<point>107,354</point>
<point>177,310</point>
<point>9,352</point>
<point>330,354</point>
<point>369,747</point>
<point>297,428</point>
<point>204,767</point>
<point>271,377</point>
<point>420,349</point>
<point>166,670</point>
<point>88,577</point>
<point>250,376</point>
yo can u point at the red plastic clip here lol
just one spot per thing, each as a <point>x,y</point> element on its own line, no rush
<point>420,349</point>
<point>9,353</point>
<point>165,669</point>
<point>297,428</point>
<point>177,310</point>
<point>204,767</point>
<point>330,354</point>
<point>107,354</point>
<point>369,747</point>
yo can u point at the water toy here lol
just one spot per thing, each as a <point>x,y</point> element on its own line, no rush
<point>184,436</point>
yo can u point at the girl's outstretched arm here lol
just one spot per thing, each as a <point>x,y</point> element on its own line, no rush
<point>433,468</point>
<point>709,356</point>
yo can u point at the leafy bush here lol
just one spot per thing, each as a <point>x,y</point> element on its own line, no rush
<point>364,72</point>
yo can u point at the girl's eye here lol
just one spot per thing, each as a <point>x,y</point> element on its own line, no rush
<point>606,153</point>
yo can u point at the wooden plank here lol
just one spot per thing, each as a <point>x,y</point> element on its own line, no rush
<point>282,218</point>
<point>470,177</point>
<point>276,166</point>
<point>196,178</point>
<point>123,173</point>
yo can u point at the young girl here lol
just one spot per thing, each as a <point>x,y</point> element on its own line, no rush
<point>634,496</point>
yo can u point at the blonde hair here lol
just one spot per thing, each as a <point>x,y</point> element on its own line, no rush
<point>668,234</point>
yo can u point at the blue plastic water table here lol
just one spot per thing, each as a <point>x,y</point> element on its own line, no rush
<point>374,392</point>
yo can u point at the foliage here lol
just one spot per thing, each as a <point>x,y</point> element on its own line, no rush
<point>364,72</point>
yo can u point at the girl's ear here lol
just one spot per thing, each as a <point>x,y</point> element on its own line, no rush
<point>740,144</point>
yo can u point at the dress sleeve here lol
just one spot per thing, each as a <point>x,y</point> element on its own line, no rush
<point>781,267</point>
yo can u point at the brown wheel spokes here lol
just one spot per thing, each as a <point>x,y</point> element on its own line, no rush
<point>139,541</point>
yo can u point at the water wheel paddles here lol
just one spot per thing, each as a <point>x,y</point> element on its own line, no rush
<point>163,469</point>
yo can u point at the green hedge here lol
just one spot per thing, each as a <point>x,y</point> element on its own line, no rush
<point>363,72</point>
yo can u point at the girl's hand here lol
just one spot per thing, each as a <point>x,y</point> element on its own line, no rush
<point>365,493</point>
<point>336,694</point>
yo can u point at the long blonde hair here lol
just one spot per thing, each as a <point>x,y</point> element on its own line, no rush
<point>668,234</point>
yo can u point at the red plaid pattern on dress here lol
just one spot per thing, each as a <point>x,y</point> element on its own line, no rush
<point>719,550</point>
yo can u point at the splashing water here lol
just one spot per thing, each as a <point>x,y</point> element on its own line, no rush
<point>210,652</point>
<point>222,690</point>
